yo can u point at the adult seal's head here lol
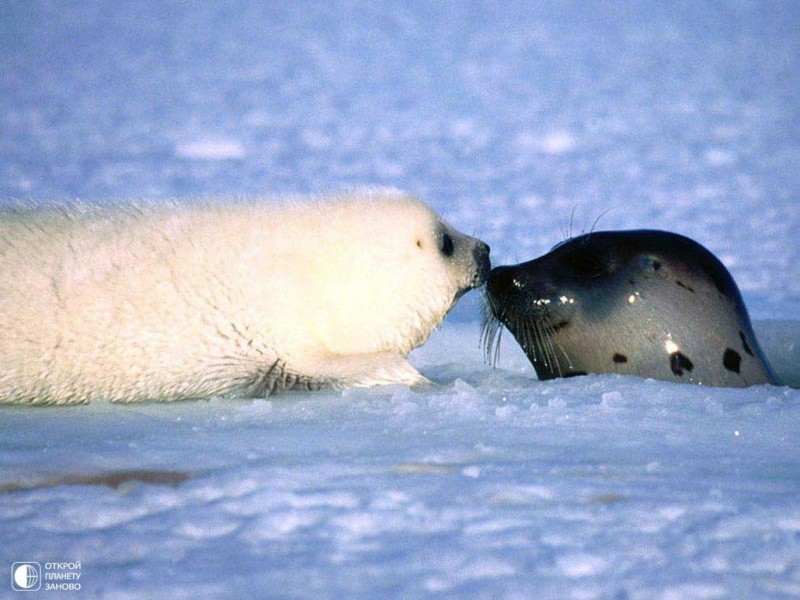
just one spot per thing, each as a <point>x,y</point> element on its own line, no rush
<point>647,303</point>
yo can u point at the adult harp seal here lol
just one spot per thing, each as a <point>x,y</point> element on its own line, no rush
<point>644,302</point>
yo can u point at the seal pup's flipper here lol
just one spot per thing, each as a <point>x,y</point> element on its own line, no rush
<point>365,370</point>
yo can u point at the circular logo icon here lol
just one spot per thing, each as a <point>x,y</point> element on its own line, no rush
<point>26,576</point>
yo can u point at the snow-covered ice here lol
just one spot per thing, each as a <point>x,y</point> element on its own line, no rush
<point>508,119</point>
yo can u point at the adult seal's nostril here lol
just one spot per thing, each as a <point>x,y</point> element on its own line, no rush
<point>501,281</point>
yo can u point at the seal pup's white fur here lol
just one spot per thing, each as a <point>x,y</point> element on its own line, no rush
<point>225,298</point>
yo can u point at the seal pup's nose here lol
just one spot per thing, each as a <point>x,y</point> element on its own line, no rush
<point>481,255</point>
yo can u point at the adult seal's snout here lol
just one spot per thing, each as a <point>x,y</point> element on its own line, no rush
<point>504,281</point>
<point>647,303</point>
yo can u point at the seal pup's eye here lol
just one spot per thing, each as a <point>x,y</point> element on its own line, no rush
<point>446,245</point>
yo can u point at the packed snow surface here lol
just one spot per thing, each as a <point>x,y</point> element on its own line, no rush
<point>520,123</point>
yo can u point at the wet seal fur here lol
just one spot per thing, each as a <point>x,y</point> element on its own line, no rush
<point>644,302</point>
<point>223,298</point>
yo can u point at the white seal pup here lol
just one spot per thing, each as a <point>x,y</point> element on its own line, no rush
<point>227,298</point>
<point>647,303</point>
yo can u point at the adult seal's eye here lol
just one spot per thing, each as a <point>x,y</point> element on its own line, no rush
<point>447,246</point>
<point>586,265</point>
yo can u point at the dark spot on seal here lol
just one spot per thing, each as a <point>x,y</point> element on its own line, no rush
<point>632,281</point>
<point>656,265</point>
<point>447,245</point>
<point>684,286</point>
<point>679,363</point>
<point>731,360</point>
<point>619,358</point>
<point>419,243</point>
<point>559,326</point>
<point>745,345</point>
